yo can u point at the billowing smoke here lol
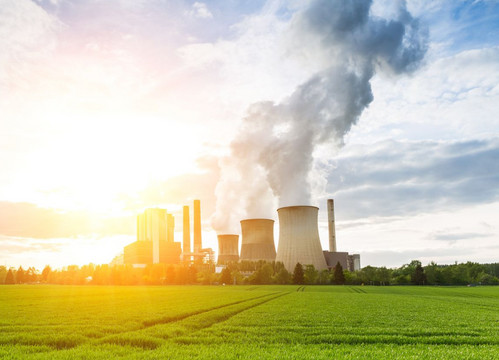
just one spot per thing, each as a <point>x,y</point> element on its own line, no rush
<point>272,154</point>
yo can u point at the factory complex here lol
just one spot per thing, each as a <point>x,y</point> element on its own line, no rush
<point>299,240</point>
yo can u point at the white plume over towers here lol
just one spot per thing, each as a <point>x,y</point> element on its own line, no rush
<point>271,156</point>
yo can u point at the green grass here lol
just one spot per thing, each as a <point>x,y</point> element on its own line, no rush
<point>249,322</point>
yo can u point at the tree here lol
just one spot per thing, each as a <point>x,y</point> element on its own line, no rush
<point>324,277</point>
<point>45,273</point>
<point>9,278</point>
<point>283,277</point>
<point>338,276</point>
<point>170,275</point>
<point>310,275</point>
<point>20,275</point>
<point>298,275</point>
<point>418,276</point>
<point>226,276</point>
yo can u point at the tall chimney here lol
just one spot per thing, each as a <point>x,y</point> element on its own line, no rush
<point>170,228</point>
<point>332,229</point>
<point>187,232</point>
<point>197,226</point>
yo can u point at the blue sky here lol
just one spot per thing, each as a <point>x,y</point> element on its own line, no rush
<point>108,107</point>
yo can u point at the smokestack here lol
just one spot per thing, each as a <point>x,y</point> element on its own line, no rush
<point>299,240</point>
<point>257,240</point>
<point>170,228</point>
<point>228,248</point>
<point>197,226</point>
<point>332,228</point>
<point>187,232</point>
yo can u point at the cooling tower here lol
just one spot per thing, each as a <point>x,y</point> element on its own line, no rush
<point>257,240</point>
<point>299,237</point>
<point>331,225</point>
<point>228,248</point>
<point>197,226</point>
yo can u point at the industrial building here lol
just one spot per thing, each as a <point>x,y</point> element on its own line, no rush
<point>347,262</point>
<point>228,248</point>
<point>196,253</point>
<point>155,240</point>
<point>299,240</point>
<point>257,241</point>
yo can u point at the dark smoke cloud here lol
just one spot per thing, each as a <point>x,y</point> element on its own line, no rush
<point>272,154</point>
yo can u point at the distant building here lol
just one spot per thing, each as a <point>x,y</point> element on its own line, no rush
<point>347,261</point>
<point>155,240</point>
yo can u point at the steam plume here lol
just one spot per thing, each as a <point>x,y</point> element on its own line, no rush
<point>272,154</point>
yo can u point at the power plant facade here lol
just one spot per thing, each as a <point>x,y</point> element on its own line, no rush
<point>155,240</point>
<point>257,241</point>
<point>299,240</point>
<point>228,248</point>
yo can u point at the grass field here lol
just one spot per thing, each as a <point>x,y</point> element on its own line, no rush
<point>248,322</point>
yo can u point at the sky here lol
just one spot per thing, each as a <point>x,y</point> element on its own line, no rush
<point>108,107</point>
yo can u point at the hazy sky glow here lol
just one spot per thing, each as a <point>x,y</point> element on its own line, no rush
<point>108,107</point>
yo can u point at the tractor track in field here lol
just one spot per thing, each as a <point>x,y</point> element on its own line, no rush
<point>357,290</point>
<point>170,319</point>
<point>226,317</point>
<point>115,338</point>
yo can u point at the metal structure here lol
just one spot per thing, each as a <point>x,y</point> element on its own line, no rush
<point>331,225</point>
<point>257,241</point>
<point>299,240</point>
<point>228,248</point>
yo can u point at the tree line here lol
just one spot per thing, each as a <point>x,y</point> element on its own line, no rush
<point>257,273</point>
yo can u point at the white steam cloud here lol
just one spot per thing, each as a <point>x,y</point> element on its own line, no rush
<point>272,154</point>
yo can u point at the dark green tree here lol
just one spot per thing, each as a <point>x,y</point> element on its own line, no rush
<point>9,278</point>
<point>418,276</point>
<point>311,275</point>
<point>283,277</point>
<point>298,275</point>
<point>338,276</point>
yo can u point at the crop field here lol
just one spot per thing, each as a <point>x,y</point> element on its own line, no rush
<point>248,322</point>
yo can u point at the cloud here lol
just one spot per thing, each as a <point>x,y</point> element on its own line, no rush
<point>275,143</point>
<point>452,237</point>
<point>200,10</point>
<point>394,178</point>
<point>30,221</point>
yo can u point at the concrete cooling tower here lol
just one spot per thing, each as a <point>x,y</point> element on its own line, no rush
<point>299,237</point>
<point>257,240</point>
<point>228,248</point>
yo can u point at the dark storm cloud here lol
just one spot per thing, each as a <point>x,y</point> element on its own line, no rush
<point>396,178</point>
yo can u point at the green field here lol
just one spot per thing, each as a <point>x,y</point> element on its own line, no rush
<point>248,322</point>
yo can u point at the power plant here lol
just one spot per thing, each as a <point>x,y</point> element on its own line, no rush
<point>155,239</point>
<point>155,242</point>
<point>228,248</point>
<point>299,240</point>
<point>257,240</point>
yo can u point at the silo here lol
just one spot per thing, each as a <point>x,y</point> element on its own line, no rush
<point>299,237</point>
<point>228,248</point>
<point>257,240</point>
